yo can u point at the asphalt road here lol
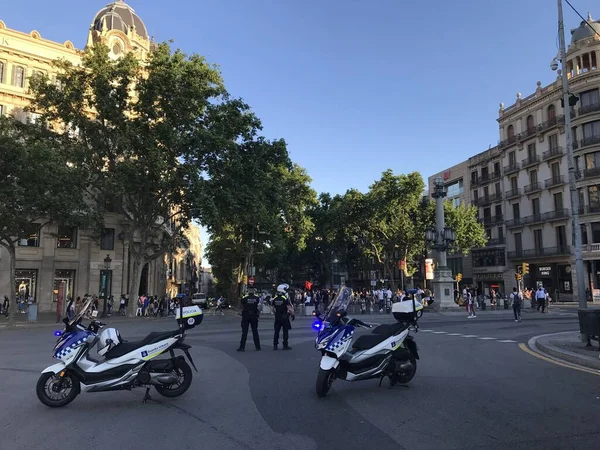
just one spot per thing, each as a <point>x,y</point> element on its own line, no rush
<point>474,389</point>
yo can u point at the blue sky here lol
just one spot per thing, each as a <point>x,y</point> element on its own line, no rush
<point>354,86</point>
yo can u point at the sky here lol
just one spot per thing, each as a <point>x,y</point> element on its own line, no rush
<point>354,86</point>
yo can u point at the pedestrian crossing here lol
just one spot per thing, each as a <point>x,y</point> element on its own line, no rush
<point>470,336</point>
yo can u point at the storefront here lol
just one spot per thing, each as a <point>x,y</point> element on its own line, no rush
<point>25,283</point>
<point>485,282</point>
<point>64,284</point>
<point>551,276</point>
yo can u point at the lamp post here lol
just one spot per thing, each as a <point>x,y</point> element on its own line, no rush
<point>577,242</point>
<point>440,240</point>
<point>106,283</point>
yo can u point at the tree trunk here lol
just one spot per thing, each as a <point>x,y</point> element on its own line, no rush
<point>12,308</point>
<point>134,283</point>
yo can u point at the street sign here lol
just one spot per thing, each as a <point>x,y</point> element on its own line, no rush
<point>373,283</point>
<point>251,281</point>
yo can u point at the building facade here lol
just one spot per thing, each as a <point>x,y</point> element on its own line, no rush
<point>56,262</point>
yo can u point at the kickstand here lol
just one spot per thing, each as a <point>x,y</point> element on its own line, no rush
<point>381,380</point>
<point>147,396</point>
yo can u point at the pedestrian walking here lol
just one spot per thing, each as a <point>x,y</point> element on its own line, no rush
<point>219,307</point>
<point>470,306</point>
<point>249,319</point>
<point>540,296</point>
<point>517,300</point>
<point>5,305</point>
<point>283,310</point>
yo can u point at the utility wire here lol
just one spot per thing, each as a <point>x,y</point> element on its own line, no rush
<point>585,20</point>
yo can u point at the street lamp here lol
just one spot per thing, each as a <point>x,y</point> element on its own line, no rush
<point>106,283</point>
<point>440,240</point>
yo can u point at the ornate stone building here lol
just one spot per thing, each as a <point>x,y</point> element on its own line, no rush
<point>59,262</point>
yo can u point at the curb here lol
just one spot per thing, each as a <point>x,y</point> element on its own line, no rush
<point>542,344</point>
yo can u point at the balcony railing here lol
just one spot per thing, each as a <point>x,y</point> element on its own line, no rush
<point>491,220</point>
<point>487,199</point>
<point>532,160</point>
<point>485,178</point>
<point>575,144</point>
<point>508,141</point>
<point>587,109</point>
<point>589,209</point>
<point>533,187</point>
<point>591,140</point>
<point>548,124</point>
<point>512,193</point>
<point>591,172</point>
<point>540,252</point>
<point>591,248</point>
<point>495,241</point>
<point>538,218</point>
<point>552,153</point>
<point>555,181</point>
<point>512,167</point>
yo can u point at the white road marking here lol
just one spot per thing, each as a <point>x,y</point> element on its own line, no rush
<point>439,332</point>
<point>454,334</point>
<point>488,338</point>
<point>507,340</point>
<point>469,335</point>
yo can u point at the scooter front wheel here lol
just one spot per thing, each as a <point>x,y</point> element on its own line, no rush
<point>56,391</point>
<point>324,381</point>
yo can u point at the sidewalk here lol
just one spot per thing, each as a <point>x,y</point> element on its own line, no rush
<point>568,347</point>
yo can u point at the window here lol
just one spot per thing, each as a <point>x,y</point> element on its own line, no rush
<point>489,257</point>
<point>533,178</point>
<point>67,237</point>
<point>553,141</point>
<point>584,236</point>
<point>2,67</point>
<point>108,239</point>
<point>486,192</point>
<point>475,195</point>
<point>512,159</point>
<point>19,79</point>
<point>591,129</point>
<point>561,237</point>
<point>538,241</point>
<point>488,233</point>
<point>516,211</point>
<point>500,234</point>
<point>497,167</point>
<point>510,132</point>
<point>592,160</point>
<point>595,232</point>
<point>31,239</point>
<point>498,210</point>
<point>551,112</point>
<point>514,184</point>
<point>555,168</point>
<point>558,201</point>
<point>1,110</point>
<point>589,98</point>
<point>518,244</point>
<point>484,173</point>
<point>535,206</point>
<point>594,196</point>
<point>456,202</point>
<point>487,213</point>
<point>530,124</point>
<point>497,186</point>
<point>531,151</point>
<point>474,177</point>
<point>455,189</point>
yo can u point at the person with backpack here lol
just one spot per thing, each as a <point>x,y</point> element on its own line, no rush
<point>517,300</point>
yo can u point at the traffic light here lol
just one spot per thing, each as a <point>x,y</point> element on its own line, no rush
<point>458,277</point>
<point>245,279</point>
<point>519,276</point>
<point>525,268</point>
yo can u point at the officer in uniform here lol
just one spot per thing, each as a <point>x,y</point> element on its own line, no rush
<point>282,308</point>
<point>249,318</point>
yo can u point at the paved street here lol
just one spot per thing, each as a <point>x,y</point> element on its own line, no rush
<point>475,388</point>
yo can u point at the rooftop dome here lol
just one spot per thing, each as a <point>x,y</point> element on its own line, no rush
<point>586,30</point>
<point>119,16</point>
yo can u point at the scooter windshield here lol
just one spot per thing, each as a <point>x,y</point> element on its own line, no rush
<point>339,304</point>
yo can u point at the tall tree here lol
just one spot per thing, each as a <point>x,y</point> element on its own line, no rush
<point>146,131</point>
<point>40,184</point>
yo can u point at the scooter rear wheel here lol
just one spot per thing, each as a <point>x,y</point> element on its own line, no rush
<point>403,378</point>
<point>183,371</point>
<point>49,393</point>
<point>324,381</point>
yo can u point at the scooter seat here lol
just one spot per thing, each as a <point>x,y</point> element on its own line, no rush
<point>127,347</point>
<point>390,329</point>
<point>368,341</point>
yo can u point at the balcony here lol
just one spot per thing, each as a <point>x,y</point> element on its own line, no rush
<point>507,142</point>
<point>555,181</point>
<point>589,209</point>
<point>555,152</point>
<point>592,248</point>
<point>538,218</point>
<point>540,252</point>
<point>512,193</point>
<point>487,199</point>
<point>495,241</point>
<point>550,123</point>
<point>484,179</point>
<point>492,220</point>
<point>591,172</point>
<point>533,187</point>
<point>528,132</point>
<point>587,141</point>
<point>588,109</point>
<point>531,161</point>
<point>511,168</point>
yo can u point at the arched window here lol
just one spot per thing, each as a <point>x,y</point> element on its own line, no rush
<point>511,131</point>
<point>19,79</point>
<point>1,72</point>
<point>530,124</point>
<point>551,112</point>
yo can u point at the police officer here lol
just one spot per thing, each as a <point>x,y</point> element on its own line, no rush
<point>281,308</point>
<point>249,318</point>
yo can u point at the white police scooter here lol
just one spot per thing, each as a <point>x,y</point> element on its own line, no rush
<point>125,365</point>
<point>389,351</point>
